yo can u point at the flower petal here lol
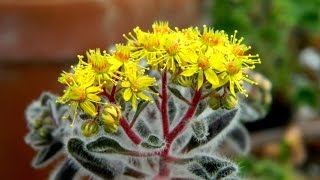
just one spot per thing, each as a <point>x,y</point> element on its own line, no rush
<point>189,72</point>
<point>212,77</point>
<point>88,107</point>
<point>200,79</point>
<point>143,96</point>
<point>125,84</point>
<point>127,94</point>
<point>232,87</point>
<point>93,97</point>
<point>134,102</point>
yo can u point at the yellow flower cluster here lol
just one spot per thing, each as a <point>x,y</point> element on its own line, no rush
<point>207,56</point>
<point>210,55</point>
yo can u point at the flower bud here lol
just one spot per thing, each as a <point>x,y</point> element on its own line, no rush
<point>48,120</point>
<point>89,128</point>
<point>109,117</point>
<point>44,133</point>
<point>214,102</point>
<point>184,81</point>
<point>111,128</point>
<point>37,123</point>
<point>230,101</point>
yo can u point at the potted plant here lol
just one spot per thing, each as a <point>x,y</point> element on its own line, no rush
<point>153,108</point>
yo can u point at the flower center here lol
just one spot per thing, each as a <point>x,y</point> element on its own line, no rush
<point>203,62</point>
<point>77,94</point>
<point>234,67</point>
<point>211,39</point>
<point>150,43</point>
<point>172,48</point>
<point>99,65</point>
<point>122,55</point>
<point>238,50</point>
<point>135,86</point>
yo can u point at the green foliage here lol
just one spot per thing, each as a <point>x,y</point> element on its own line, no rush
<point>266,169</point>
<point>268,26</point>
<point>153,142</point>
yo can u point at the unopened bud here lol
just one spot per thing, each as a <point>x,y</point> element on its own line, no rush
<point>183,81</point>
<point>111,128</point>
<point>214,102</point>
<point>230,101</point>
<point>43,132</point>
<point>48,120</point>
<point>110,114</point>
<point>89,128</point>
<point>37,123</point>
<point>109,117</point>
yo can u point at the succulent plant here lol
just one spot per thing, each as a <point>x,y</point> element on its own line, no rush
<point>155,108</point>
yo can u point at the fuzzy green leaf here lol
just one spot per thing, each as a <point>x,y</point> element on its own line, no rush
<point>210,164</point>
<point>198,170</point>
<point>66,171</point>
<point>225,172</point>
<point>142,128</point>
<point>102,167</point>
<point>201,107</point>
<point>213,168</point>
<point>216,125</point>
<point>46,154</point>
<point>239,139</point>
<point>153,142</point>
<point>106,145</point>
<point>200,130</point>
<point>45,97</point>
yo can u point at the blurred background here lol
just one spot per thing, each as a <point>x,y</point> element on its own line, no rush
<point>40,38</point>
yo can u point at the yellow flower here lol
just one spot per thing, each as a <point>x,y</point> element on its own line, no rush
<point>202,66</point>
<point>120,57</point>
<point>82,95</point>
<point>234,74</point>
<point>234,63</point>
<point>135,85</point>
<point>213,38</point>
<point>143,44</point>
<point>161,27</point>
<point>80,71</point>
<point>173,52</point>
<point>238,51</point>
<point>100,64</point>
<point>192,34</point>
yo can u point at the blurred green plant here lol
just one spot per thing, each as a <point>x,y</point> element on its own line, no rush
<point>272,27</point>
<point>265,169</point>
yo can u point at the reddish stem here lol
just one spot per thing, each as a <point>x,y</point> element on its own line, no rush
<point>131,134</point>
<point>182,124</point>
<point>112,98</point>
<point>164,170</point>
<point>164,105</point>
<point>105,93</point>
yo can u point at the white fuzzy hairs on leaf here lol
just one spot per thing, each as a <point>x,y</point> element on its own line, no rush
<point>234,143</point>
<point>213,143</point>
<point>181,141</point>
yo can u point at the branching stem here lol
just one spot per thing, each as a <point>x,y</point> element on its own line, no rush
<point>131,134</point>
<point>164,105</point>
<point>183,122</point>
